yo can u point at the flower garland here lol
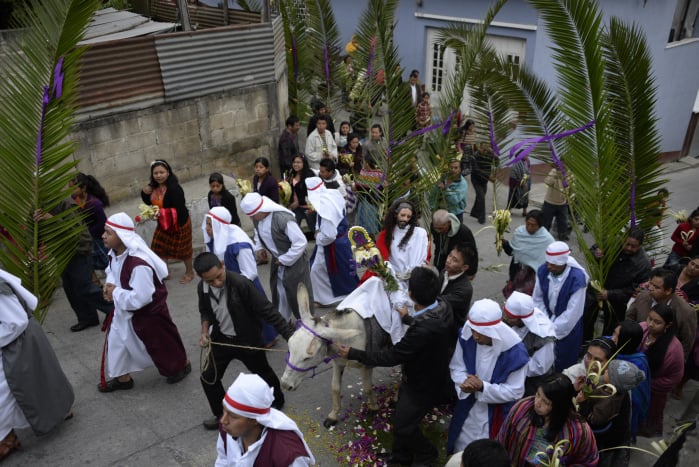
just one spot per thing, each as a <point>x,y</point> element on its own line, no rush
<point>368,256</point>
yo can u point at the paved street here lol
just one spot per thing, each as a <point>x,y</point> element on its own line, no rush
<point>157,424</point>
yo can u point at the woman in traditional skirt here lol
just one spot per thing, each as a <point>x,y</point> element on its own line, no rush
<point>173,235</point>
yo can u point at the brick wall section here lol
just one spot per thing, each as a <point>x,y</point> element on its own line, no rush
<point>222,132</point>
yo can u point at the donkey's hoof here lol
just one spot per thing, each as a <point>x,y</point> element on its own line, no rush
<point>329,422</point>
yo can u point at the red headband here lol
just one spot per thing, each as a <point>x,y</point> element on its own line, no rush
<point>251,213</point>
<point>123,227</point>
<point>217,218</point>
<point>245,408</point>
<point>488,323</point>
<point>317,186</point>
<point>507,312</point>
<point>558,252</point>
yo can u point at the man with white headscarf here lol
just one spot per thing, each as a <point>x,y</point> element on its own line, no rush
<point>536,330</point>
<point>34,391</point>
<point>252,433</point>
<point>140,332</point>
<point>332,268</point>
<point>279,233</point>
<point>560,292</point>
<point>233,246</point>
<point>488,369</point>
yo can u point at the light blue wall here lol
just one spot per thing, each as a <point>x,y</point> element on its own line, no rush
<point>676,69</point>
<point>411,32</point>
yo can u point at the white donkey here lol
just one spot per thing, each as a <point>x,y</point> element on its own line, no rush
<point>312,343</point>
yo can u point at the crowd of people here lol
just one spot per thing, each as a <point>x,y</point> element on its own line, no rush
<point>519,374</point>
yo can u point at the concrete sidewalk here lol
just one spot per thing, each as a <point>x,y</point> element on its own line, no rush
<point>157,424</point>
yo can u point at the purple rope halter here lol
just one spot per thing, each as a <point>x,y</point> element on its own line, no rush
<point>328,342</point>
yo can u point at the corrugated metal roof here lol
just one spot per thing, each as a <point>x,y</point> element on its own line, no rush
<point>279,47</point>
<point>110,24</point>
<point>205,62</point>
<point>120,72</point>
<point>202,16</point>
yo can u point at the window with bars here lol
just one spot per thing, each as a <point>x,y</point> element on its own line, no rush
<point>684,21</point>
<point>437,67</point>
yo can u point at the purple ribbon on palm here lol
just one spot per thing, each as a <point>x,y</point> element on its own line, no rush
<point>54,92</point>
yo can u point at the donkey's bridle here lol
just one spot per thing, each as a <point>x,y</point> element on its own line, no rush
<point>326,341</point>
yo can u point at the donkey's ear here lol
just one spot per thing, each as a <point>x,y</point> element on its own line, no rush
<point>304,302</point>
<point>340,334</point>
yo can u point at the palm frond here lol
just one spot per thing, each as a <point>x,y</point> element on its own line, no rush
<point>298,58</point>
<point>632,89</point>
<point>35,176</point>
<point>605,78</point>
<point>323,41</point>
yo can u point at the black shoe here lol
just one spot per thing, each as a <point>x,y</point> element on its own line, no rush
<point>115,385</point>
<point>180,376</point>
<point>82,325</point>
<point>391,459</point>
<point>211,423</point>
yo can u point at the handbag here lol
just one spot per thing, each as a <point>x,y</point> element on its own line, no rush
<point>167,219</point>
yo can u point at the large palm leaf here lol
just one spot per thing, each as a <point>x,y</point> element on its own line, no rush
<point>324,45</point>
<point>403,159</point>
<point>632,90</point>
<point>36,144</point>
<point>598,80</point>
<point>298,57</point>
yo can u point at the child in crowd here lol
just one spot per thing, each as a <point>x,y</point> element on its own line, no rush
<point>263,182</point>
<point>423,112</point>
<point>341,137</point>
<point>220,196</point>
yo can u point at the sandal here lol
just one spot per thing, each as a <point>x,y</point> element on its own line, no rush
<point>9,445</point>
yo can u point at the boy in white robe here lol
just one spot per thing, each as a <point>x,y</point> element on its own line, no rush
<point>488,369</point>
<point>252,429</point>
<point>141,332</point>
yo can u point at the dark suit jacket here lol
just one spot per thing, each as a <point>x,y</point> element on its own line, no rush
<point>458,294</point>
<point>247,307</point>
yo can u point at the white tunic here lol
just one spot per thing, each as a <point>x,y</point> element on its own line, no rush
<point>566,321</point>
<point>413,254</point>
<point>233,455</point>
<point>126,352</point>
<point>477,425</point>
<point>13,322</point>
<point>322,289</point>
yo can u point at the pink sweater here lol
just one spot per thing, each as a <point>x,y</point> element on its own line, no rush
<point>671,371</point>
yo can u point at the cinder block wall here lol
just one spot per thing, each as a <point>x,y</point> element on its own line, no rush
<point>222,132</point>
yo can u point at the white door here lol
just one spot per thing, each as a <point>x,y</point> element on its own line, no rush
<point>440,62</point>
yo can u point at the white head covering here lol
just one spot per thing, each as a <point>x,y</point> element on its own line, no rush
<point>224,232</point>
<point>520,305</point>
<point>558,253</point>
<point>123,226</point>
<point>252,203</point>
<point>485,317</point>
<point>250,397</point>
<point>16,284</point>
<point>329,204</point>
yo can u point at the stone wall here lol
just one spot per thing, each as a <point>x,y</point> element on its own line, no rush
<point>221,132</point>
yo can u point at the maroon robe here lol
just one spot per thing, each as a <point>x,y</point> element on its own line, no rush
<point>154,326</point>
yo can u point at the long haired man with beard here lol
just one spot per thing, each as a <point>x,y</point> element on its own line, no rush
<point>403,243</point>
